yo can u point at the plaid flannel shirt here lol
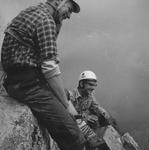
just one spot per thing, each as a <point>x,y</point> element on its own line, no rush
<point>86,105</point>
<point>36,26</point>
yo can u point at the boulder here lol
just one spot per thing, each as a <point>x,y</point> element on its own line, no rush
<point>19,130</point>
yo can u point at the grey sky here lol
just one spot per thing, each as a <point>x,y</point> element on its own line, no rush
<point>109,37</point>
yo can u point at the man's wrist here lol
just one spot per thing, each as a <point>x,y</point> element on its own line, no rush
<point>66,105</point>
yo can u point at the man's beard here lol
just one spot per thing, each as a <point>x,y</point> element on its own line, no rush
<point>86,93</point>
<point>58,21</point>
<point>57,17</point>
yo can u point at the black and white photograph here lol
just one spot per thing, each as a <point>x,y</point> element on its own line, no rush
<point>74,75</point>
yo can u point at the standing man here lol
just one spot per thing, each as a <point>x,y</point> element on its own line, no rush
<point>30,60</point>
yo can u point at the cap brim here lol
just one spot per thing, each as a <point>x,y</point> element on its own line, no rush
<point>76,7</point>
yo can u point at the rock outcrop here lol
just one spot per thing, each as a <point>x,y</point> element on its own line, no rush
<point>19,130</point>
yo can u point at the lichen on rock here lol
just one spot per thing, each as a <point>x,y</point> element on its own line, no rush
<point>19,129</point>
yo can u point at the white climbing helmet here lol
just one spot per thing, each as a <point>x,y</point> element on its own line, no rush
<point>87,75</point>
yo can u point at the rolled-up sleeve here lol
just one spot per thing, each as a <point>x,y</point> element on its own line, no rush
<point>47,35</point>
<point>50,69</point>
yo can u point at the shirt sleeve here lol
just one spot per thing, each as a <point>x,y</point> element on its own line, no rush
<point>97,109</point>
<point>50,68</point>
<point>46,36</point>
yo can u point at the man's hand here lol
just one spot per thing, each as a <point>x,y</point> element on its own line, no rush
<point>92,119</point>
<point>111,120</point>
<point>104,113</point>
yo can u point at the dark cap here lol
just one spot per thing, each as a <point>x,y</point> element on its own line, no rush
<point>76,7</point>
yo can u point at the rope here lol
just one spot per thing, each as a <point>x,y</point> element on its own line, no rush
<point>2,89</point>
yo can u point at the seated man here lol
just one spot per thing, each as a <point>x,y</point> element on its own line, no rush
<point>30,60</point>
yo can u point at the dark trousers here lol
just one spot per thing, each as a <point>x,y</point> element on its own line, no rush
<point>29,88</point>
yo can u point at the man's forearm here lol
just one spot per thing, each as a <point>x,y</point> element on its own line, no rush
<point>103,112</point>
<point>52,74</point>
<point>56,86</point>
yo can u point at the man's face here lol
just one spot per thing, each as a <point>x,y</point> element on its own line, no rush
<point>89,86</point>
<point>66,10</point>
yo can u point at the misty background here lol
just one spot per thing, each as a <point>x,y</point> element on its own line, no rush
<point>111,38</point>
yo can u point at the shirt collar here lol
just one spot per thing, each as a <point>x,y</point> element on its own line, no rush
<point>48,7</point>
